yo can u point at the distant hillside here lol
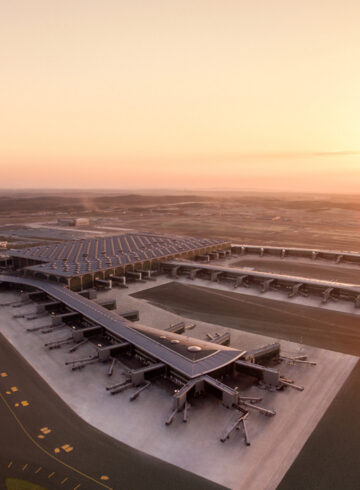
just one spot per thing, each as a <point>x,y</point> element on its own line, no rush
<point>71,204</point>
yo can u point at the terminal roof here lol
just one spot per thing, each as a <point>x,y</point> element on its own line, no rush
<point>83,256</point>
<point>147,339</point>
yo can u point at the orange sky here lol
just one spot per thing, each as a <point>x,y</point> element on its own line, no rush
<point>201,93</point>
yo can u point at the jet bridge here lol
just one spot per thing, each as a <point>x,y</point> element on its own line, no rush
<point>266,281</point>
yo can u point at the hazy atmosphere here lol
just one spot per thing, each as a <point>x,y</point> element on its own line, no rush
<point>209,94</point>
<point>179,244</point>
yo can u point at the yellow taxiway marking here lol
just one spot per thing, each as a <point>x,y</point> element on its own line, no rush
<point>67,448</point>
<point>104,477</point>
<point>28,435</point>
<point>51,474</point>
<point>3,375</point>
<point>14,388</point>
<point>38,470</point>
<point>40,436</point>
<point>10,464</point>
<point>25,466</point>
<point>64,480</point>
<point>45,430</point>
<point>77,486</point>
<point>25,403</point>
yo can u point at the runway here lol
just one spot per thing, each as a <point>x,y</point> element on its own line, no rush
<point>44,442</point>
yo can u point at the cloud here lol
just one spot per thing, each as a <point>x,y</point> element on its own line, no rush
<point>265,155</point>
<point>335,153</point>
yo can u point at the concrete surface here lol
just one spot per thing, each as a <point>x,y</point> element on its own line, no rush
<point>194,446</point>
<point>33,439</point>
<point>315,301</point>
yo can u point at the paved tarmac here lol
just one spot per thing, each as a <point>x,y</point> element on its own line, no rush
<point>44,442</point>
<point>330,457</point>
<point>322,328</point>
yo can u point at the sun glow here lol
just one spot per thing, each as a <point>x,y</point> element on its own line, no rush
<point>180,93</point>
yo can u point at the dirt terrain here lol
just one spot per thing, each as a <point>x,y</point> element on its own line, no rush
<point>276,219</point>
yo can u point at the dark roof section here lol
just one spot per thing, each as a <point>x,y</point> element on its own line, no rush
<point>83,256</point>
<point>188,366</point>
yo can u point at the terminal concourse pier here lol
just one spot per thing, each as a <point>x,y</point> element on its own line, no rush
<point>81,264</point>
<point>193,365</point>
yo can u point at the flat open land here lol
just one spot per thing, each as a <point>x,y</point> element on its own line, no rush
<point>300,220</point>
<point>303,324</point>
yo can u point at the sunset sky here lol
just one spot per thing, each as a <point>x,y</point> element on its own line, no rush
<point>241,94</point>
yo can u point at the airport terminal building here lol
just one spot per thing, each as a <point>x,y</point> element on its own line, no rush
<point>81,264</point>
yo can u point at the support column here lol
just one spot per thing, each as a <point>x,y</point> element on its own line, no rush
<point>265,286</point>
<point>214,276</point>
<point>136,275</point>
<point>327,295</point>
<point>174,271</point>
<point>241,281</point>
<point>295,290</point>
<point>193,272</point>
<point>205,258</point>
<point>121,280</point>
